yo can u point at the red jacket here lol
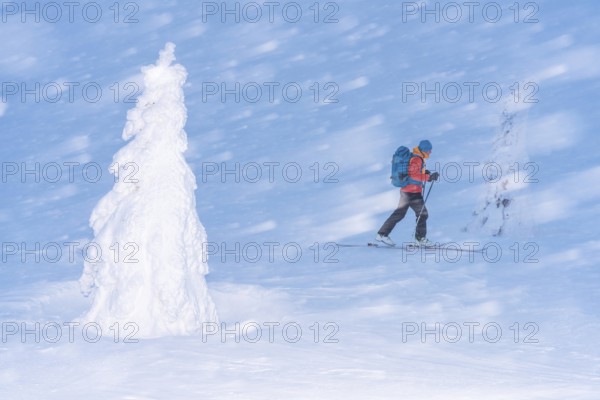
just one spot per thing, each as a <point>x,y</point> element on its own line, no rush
<point>416,170</point>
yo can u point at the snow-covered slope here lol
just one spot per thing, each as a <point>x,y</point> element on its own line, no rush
<point>313,168</point>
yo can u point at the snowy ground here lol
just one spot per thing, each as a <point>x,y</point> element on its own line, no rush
<point>374,323</point>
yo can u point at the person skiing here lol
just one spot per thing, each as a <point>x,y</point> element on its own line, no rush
<point>411,196</point>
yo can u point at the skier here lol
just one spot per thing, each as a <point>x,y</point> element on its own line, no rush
<point>412,196</point>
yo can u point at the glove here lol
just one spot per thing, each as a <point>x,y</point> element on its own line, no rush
<point>434,177</point>
<point>427,172</point>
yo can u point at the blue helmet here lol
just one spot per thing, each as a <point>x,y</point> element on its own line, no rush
<point>425,146</point>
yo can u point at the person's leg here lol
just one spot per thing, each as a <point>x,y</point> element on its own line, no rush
<point>396,216</point>
<point>417,203</point>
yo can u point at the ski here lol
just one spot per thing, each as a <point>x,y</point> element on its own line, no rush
<point>448,246</point>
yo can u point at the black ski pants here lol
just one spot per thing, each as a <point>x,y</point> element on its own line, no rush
<point>414,201</point>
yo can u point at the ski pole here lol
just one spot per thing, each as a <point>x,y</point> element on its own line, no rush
<point>424,202</point>
<point>429,191</point>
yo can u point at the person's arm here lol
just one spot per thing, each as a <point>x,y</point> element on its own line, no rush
<point>415,170</point>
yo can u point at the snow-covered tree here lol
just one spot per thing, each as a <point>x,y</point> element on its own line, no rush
<point>151,270</point>
<point>504,208</point>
